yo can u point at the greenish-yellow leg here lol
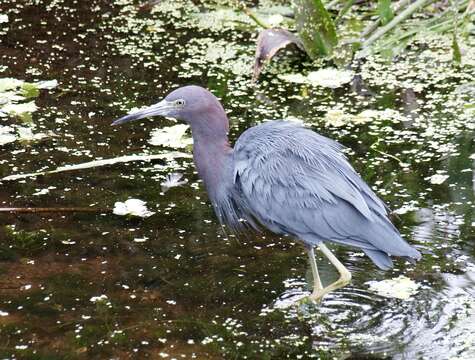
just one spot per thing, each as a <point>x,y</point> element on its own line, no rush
<point>317,283</point>
<point>345,275</point>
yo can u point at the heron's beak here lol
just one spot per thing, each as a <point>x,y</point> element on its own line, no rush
<point>163,108</point>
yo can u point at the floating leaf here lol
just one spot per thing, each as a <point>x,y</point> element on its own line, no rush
<point>13,91</point>
<point>29,90</point>
<point>9,84</point>
<point>47,84</point>
<point>294,78</point>
<point>339,118</point>
<point>400,288</point>
<point>316,28</point>
<point>19,109</point>
<point>330,77</point>
<point>7,135</point>
<point>438,179</point>
<point>132,207</point>
<point>99,298</point>
<point>26,134</point>
<point>269,42</point>
<point>171,136</point>
<point>10,134</point>
<point>8,97</point>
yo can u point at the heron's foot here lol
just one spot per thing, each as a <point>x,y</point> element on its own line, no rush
<point>308,300</point>
<point>318,294</point>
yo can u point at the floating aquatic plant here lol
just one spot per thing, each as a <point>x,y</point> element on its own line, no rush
<point>16,95</point>
<point>171,136</point>
<point>132,207</point>
<point>327,77</point>
<point>400,288</point>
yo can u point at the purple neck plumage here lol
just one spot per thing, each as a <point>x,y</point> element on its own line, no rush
<point>211,149</point>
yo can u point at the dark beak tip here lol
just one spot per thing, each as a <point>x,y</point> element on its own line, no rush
<point>119,121</point>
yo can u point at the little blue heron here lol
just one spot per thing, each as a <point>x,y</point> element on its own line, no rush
<point>286,178</point>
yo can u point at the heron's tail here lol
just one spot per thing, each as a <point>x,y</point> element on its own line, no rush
<point>380,258</point>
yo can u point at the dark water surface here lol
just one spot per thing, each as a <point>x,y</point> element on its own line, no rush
<point>93,285</point>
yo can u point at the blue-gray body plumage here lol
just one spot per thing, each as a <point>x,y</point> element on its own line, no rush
<point>294,181</point>
<point>286,178</point>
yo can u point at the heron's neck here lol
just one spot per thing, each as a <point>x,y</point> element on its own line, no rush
<point>212,152</point>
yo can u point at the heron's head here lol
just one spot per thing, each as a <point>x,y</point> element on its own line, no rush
<point>191,104</point>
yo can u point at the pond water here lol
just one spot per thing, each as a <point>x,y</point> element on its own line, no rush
<point>94,285</point>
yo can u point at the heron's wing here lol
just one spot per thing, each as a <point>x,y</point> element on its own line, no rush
<point>298,182</point>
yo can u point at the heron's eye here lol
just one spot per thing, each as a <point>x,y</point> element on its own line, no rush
<point>180,102</point>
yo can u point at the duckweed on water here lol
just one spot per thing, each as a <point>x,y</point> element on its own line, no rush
<point>176,285</point>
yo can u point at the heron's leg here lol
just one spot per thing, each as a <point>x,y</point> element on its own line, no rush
<point>317,283</point>
<point>345,275</point>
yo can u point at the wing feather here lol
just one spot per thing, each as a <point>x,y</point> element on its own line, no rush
<point>298,182</point>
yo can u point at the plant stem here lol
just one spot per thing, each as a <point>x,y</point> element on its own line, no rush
<point>331,4</point>
<point>438,24</point>
<point>344,10</point>
<point>374,25</point>
<point>253,16</point>
<point>411,9</point>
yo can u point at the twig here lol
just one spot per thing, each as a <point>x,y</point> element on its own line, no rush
<point>53,210</point>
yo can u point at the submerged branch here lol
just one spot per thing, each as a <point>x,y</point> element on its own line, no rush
<point>375,144</point>
<point>53,210</point>
<point>99,163</point>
